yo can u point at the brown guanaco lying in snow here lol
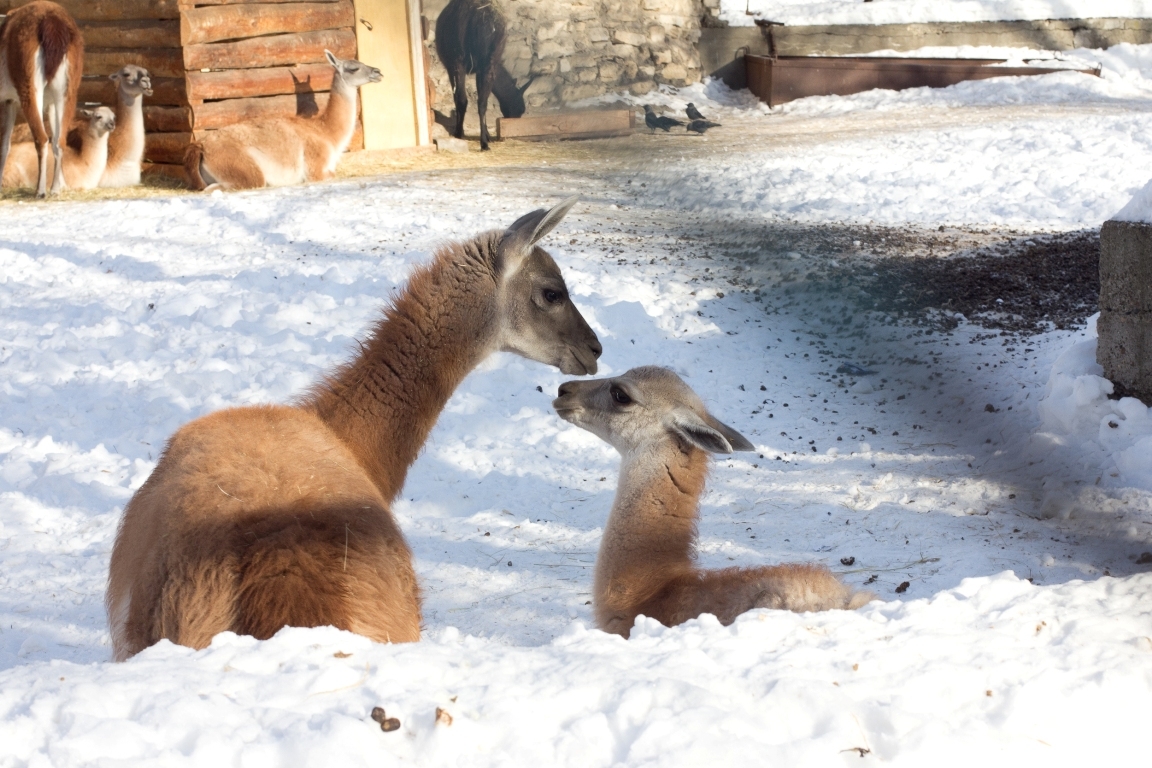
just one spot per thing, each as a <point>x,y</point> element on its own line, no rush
<point>278,151</point>
<point>646,561</point>
<point>270,516</point>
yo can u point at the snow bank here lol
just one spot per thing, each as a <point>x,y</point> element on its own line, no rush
<point>801,12</point>
<point>1139,208</point>
<point>1078,413</point>
<point>972,673</point>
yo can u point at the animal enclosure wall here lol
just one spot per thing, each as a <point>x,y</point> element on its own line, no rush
<point>217,62</point>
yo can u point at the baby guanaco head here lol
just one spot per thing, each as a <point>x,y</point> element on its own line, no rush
<point>644,408</point>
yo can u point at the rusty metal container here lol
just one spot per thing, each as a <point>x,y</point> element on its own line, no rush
<point>780,79</point>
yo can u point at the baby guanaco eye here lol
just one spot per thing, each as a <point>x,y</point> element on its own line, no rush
<point>551,296</point>
<point>620,396</point>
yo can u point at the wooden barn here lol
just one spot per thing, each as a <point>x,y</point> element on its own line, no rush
<point>218,62</point>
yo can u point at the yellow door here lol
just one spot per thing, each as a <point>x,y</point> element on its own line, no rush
<point>388,37</point>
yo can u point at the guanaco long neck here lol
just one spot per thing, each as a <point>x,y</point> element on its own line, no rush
<point>339,118</point>
<point>384,403</point>
<point>652,526</point>
<point>126,143</point>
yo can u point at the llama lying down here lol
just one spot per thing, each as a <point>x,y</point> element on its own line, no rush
<point>270,516</point>
<point>275,152</point>
<point>645,564</point>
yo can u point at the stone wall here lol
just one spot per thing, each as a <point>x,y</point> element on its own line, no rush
<point>1124,348</point>
<point>587,48</point>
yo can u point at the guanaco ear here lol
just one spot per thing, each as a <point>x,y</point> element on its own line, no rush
<point>87,114</point>
<point>528,230</point>
<point>331,58</point>
<point>115,76</point>
<point>688,425</point>
<point>734,438</point>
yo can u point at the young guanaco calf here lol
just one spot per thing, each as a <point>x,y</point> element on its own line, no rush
<point>82,168</point>
<point>284,150</point>
<point>646,561</point>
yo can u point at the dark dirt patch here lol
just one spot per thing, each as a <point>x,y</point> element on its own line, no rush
<point>1025,286</point>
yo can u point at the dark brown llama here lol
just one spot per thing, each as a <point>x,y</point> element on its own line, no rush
<point>264,517</point>
<point>646,564</point>
<point>470,38</point>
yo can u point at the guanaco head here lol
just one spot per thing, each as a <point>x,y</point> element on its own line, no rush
<point>351,72</point>
<point>133,80</point>
<point>101,121</point>
<point>643,408</point>
<point>537,317</point>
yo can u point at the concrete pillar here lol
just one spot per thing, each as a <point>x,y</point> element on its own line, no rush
<point>1124,348</point>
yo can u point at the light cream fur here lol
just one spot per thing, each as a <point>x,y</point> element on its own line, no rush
<point>646,564</point>
<point>126,144</point>
<point>82,169</point>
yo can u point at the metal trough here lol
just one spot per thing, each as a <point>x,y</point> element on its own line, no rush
<point>779,79</point>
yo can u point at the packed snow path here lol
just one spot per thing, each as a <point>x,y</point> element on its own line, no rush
<point>927,480</point>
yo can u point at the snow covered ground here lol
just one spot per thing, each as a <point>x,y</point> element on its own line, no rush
<point>985,476</point>
<point>741,13</point>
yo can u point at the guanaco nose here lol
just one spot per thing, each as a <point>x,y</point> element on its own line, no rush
<point>566,387</point>
<point>596,347</point>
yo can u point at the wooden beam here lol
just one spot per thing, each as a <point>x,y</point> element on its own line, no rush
<point>269,81</point>
<point>232,22</point>
<point>166,147</point>
<point>271,51</point>
<point>196,3</point>
<point>166,91</point>
<point>110,10</point>
<point>217,114</point>
<point>131,34</point>
<point>160,62</point>
<point>168,119</point>
<point>567,125</point>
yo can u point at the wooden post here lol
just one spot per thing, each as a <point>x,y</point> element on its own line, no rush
<point>388,37</point>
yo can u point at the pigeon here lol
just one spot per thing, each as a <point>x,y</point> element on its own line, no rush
<point>693,113</point>
<point>654,121</point>
<point>699,126</point>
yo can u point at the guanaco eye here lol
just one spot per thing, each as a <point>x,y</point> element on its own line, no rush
<point>551,296</point>
<point>620,396</point>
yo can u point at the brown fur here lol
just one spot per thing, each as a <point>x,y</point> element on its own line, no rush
<point>259,518</point>
<point>646,564</point>
<point>286,150</point>
<point>45,27</point>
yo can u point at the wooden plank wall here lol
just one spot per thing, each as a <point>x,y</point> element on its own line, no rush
<point>213,62</point>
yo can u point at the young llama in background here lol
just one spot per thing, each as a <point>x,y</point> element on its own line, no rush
<point>270,516</point>
<point>284,150</point>
<point>646,561</point>
<point>41,64</point>
<point>126,145</point>
<point>83,168</point>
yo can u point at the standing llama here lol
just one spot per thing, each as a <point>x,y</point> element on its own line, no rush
<point>646,562</point>
<point>126,145</point>
<point>278,151</point>
<point>41,64</point>
<point>264,517</point>
<point>83,168</point>
<point>470,38</point>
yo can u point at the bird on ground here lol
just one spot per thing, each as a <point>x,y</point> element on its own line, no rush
<point>693,113</point>
<point>654,121</point>
<point>700,126</point>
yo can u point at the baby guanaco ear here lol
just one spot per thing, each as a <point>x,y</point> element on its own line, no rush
<point>734,438</point>
<point>528,230</point>
<point>688,425</point>
<point>331,58</point>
